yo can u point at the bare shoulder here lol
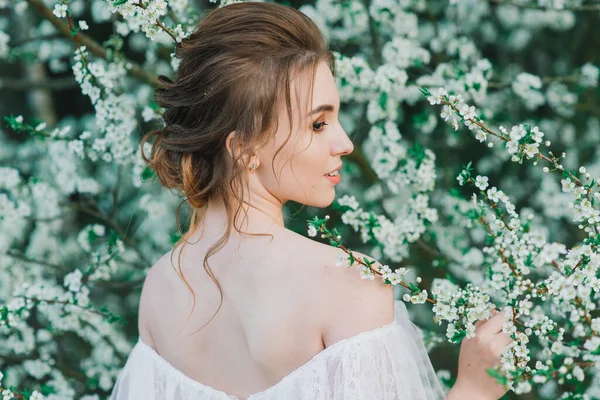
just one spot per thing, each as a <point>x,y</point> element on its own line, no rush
<point>154,284</point>
<point>348,304</point>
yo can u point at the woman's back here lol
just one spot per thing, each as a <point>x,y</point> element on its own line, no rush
<point>284,302</point>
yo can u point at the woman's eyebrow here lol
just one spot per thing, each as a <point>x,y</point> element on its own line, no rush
<point>322,107</point>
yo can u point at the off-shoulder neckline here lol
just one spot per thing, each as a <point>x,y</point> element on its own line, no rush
<point>163,362</point>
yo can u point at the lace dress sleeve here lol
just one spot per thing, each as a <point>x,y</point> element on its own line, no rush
<point>388,363</point>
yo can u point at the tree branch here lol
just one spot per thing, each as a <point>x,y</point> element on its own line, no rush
<point>94,47</point>
<point>26,84</point>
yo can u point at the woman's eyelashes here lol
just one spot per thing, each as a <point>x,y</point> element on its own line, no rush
<point>318,126</point>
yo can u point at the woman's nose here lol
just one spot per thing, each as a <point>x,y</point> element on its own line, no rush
<point>343,145</point>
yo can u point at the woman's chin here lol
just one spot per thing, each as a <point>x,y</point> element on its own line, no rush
<point>324,199</point>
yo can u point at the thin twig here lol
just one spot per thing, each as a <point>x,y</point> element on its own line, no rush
<point>98,213</point>
<point>23,257</point>
<point>586,7</point>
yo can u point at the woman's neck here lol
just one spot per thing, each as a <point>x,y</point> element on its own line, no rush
<point>263,216</point>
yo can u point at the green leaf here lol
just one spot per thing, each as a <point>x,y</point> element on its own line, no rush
<point>92,382</point>
<point>92,235</point>
<point>473,214</point>
<point>148,173</point>
<point>47,389</point>
<point>499,376</point>
<point>458,336</point>
<point>450,278</point>
<point>425,91</point>
<point>420,118</point>
<point>383,100</point>
<point>4,316</point>
<point>112,238</point>
<point>529,260</point>
<point>455,192</point>
<point>174,237</point>
<point>12,122</point>
<point>417,153</point>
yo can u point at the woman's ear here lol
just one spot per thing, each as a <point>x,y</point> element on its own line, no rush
<point>231,143</point>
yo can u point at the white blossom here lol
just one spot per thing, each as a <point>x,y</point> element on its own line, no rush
<point>4,39</point>
<point>60,10</point>
<point>73,280</point>
<point>481,182</point>
<point>527,87</point>
<point>438,96</point>
<point>589,75</point>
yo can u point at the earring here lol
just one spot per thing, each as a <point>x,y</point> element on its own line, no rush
<point>254,166</point>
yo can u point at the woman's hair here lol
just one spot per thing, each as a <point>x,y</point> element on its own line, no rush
<point>236,67</point>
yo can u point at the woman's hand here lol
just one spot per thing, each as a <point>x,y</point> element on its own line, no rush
<point>479,353</point>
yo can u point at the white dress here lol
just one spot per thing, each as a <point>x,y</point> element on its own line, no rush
<point>387,363</point>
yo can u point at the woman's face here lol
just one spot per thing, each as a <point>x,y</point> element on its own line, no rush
<point>314,149</point>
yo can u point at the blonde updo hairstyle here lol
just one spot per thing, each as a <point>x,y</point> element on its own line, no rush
<point>236,67</point>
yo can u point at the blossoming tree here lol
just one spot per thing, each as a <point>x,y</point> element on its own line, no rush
<point>471,119</point>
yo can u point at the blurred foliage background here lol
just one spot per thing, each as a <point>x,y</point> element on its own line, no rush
<point>516,61</point>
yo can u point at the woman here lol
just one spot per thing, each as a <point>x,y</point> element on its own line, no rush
<point>251,123</point>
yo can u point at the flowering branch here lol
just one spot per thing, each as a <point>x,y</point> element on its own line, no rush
<point>149,17</point>
<point>82,39</point>
<point>367,271</point>
<point>523,142</point>
<point>157,22</point>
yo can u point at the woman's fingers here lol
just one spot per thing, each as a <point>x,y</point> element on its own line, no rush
<point>483,321</point>
<point>500,343</point>
<point>494,324</point>
<point>504,339</point>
